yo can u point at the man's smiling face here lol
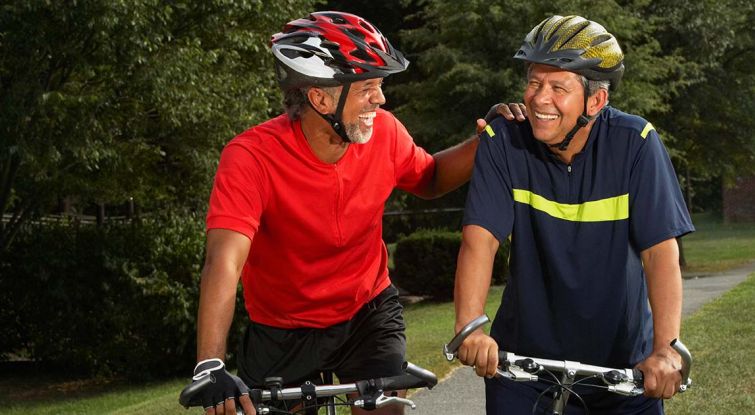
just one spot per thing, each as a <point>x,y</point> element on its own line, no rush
<point>359,111</point>
<point>554,100</point>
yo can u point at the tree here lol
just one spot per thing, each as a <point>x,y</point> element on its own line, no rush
<point>712,117</point>
<point>105,100</point>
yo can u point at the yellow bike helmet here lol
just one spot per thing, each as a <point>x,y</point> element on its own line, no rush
<point>577,45</point>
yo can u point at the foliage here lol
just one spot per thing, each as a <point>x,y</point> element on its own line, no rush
<point>117,299</point>
<point>105,100</point>
<point>712,118</point>
<point>425,263</point>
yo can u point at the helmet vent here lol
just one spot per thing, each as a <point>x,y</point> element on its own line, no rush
<point>356,33</point>
<point>360,54</point>
<point>367,26</point>
<point>330,45</point>
<point>293,54</point>
<point>338,19</point>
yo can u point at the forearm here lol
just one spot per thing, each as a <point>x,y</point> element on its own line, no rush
<point>217,301</point>
<point>473,274</point>
<point>453,168</point>
<point>664,281</point>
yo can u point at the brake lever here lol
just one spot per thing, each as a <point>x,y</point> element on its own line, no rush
<point>382,401</point>
<point>450,349</point>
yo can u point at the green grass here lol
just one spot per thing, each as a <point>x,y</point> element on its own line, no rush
<point>40,395</point>
<point>716,246</point>
<point>721,337</point>
<point>429,326</point>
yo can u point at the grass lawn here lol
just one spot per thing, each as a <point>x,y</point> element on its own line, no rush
<point>721,337</point>
<point>716,246</point>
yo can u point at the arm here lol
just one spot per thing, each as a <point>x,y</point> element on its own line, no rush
<point>664,281</point>
<point>473,273</point>
<point>226,253</point>
<point>453,166</point>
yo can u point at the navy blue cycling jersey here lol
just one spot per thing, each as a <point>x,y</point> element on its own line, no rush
<point>577,287</point>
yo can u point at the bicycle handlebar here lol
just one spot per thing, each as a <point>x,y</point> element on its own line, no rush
<point>370,390</point>
<point>524,368</point>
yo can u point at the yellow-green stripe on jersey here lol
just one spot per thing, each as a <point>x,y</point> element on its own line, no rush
<point>603,210</point>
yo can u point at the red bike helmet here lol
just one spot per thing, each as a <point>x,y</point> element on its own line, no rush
<point>332,48</point>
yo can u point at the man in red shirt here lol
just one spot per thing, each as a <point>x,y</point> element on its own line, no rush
<point>296,213</point>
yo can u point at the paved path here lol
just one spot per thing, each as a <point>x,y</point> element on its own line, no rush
<point>463,389</point>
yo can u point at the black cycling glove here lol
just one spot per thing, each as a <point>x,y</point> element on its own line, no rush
<point>219,385</point>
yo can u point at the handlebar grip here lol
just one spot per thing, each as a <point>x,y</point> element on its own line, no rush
<point>450,349</point>
<point>680,348</point>
<point>401,382</point>
<point>422,374</point>
<point>188,393</point>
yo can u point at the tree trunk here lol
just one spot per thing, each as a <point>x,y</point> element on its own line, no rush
<point>100,214</point>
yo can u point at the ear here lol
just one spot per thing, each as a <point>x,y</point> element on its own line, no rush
<point>321,101</point>
<point>596,102</point>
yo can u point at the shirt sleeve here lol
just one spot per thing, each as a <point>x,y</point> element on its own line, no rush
<point>414,167</point>
<point>238,193</point>
<point>490,203</point>
<point>657,208</point>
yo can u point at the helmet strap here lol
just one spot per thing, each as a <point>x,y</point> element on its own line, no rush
<point>335,119</point>
<point>582,121</point>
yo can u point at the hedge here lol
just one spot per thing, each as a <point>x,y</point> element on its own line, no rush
<point>119,299</point>
<point>425,263</point>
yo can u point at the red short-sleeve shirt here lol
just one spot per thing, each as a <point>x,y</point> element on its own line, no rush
<point>317,253</point>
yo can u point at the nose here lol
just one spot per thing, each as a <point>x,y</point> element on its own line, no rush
<point>377,97</point>
<point>542,95</point>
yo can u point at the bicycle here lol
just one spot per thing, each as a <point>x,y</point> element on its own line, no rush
<point>626,382</point>
<point>371,393</point>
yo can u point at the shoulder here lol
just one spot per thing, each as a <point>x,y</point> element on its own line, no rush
<point>506,133</point>
<point>631,126</point>
<point>265,136</point>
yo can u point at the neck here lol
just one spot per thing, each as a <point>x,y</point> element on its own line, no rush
<point>576,146</point>
<point>324,142</point>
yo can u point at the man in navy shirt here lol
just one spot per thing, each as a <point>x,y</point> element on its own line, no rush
<point>591,203</point>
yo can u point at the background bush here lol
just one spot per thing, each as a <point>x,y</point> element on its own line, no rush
<point>425,263</point>
<point>119,299</point>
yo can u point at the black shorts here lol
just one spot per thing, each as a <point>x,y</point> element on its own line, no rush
<point>372,344</point>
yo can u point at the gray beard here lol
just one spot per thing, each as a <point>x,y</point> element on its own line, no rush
<point>356,135</point>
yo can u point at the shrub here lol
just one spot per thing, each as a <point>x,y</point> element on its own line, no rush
<point>119,299</point>
<point>425,263</point>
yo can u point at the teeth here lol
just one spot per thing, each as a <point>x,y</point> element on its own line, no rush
<point>541,116</point>
<point>367,118</point>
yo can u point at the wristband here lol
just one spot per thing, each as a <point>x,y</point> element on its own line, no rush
<point>210,365</point>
